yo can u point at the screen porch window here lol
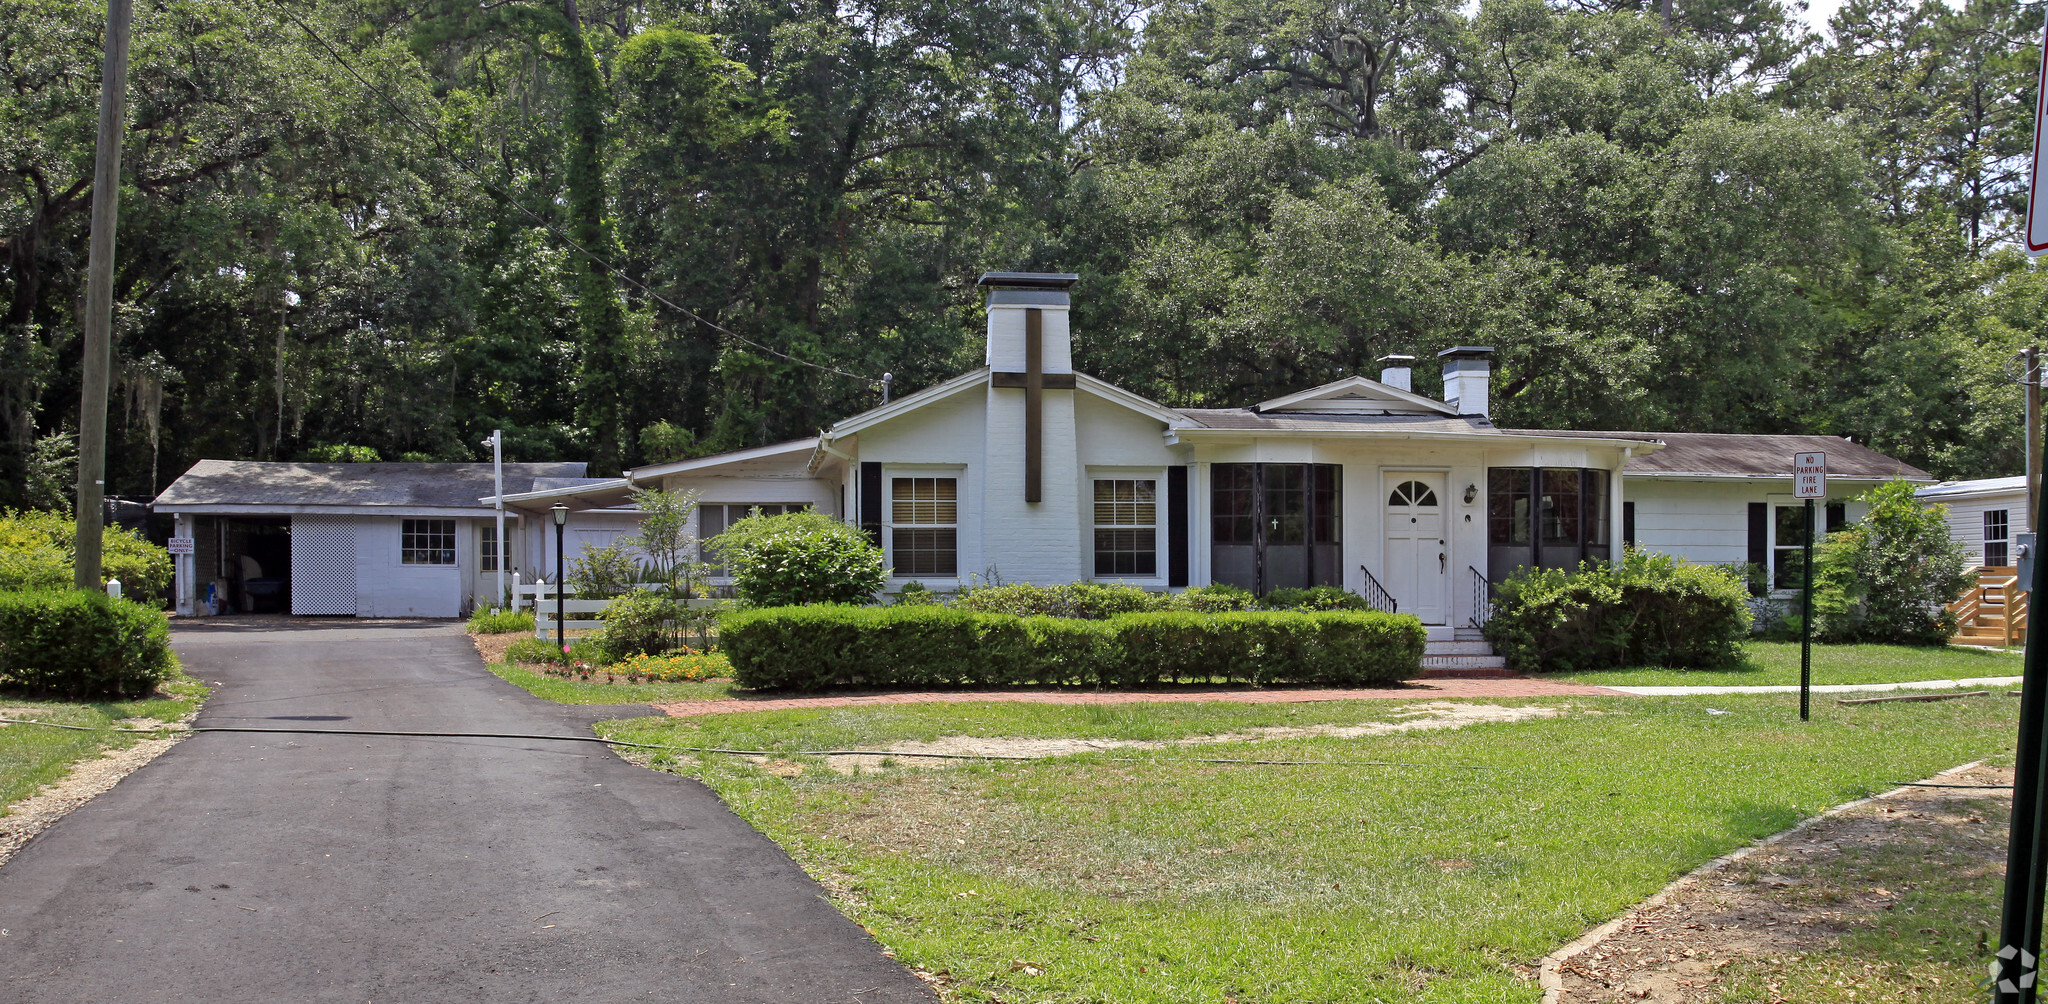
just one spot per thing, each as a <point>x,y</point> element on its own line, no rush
<point>1507,505</point>
<point>1126,527</point>
<point>487,549</point>
<point>714,518</point>
<point>427,542</point>
<point>924,526</point>
<point>1997,532</point>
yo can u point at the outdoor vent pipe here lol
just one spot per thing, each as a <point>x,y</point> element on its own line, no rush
<point>887,379</point>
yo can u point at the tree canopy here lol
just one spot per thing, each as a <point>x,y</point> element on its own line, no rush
<point>631,230</point>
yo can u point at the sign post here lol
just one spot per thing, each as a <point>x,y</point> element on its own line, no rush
<point>2015,967</point>
<point>1809,482</point>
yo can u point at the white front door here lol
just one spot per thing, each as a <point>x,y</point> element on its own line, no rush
<point>1418,548</point>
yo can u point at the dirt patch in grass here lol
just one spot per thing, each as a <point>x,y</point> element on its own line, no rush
<point>1883,902</point>
<point>493,646</point>
<point>938,752</point>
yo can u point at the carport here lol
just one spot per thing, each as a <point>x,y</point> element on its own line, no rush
<point>352,540</point>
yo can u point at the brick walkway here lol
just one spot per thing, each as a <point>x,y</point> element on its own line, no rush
<point>1424,690</point>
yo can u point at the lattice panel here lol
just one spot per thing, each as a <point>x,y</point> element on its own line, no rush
<point>323,567</point>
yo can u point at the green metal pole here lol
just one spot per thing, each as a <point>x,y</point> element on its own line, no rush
<point>2015,966</point>
<point>1806,624</point>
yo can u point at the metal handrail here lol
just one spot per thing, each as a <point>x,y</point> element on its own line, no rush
<point>1377,594</point>
<point>1482,597</point>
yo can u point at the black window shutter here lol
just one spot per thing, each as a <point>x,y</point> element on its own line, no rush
<point>1838,516</point>
<point>1176,526</point>
<point>871,500</point>
<point>1628,523</point>
<point>1760,535</point>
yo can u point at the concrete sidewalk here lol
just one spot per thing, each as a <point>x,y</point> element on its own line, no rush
<point>1978,683</point>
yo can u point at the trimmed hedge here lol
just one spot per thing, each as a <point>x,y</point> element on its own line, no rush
<point>813,647</point>
<point>78,645</point>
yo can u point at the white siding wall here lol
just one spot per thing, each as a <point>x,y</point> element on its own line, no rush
<point>1701,521</point>
<point>948,438</point>
<point>1966,521</point>
<point>387,588</point>
<point>1116,442</point>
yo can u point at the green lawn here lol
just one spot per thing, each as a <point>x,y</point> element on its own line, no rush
<point>1773,663</point>
<point>1083,878</point>
<point>596,691</point>
<point>31,756</point>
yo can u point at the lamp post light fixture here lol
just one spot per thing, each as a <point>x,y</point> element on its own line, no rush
<point>561,587</point>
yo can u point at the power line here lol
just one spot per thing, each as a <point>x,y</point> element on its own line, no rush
<point>490,186</point>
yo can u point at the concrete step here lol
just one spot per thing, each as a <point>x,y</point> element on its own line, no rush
<point>1430,662</point>
<point>1457,648</point>
<point>1469,634</point>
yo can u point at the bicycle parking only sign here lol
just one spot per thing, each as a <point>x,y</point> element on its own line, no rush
<point>1810,475</point>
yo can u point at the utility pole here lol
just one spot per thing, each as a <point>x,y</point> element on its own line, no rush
<point>99,300</point>
<point>2030,363</point>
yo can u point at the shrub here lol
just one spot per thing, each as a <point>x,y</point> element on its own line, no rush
<point>1086,600</point>
<point>492,620</point>
<point>601,573</point>
<point>1213,599</point>
<point>542,652</point>
<point>78,645</point>
<point>666,540</point>
<point>1072,652</point>
<point>1891,577</point>
<point>917,594</point>
<point>1314,598</point>
<point>925,646</point>
<point>1650,609</point>
<point>647,622</point>
<point>36,553</point>
<point>800,557</point>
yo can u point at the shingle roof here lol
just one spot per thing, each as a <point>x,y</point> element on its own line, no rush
<point>1744,455</point>
<point>1246,419</point>
<point>1981,486</point>
<point>256,482</point>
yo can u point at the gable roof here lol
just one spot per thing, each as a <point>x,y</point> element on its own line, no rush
<point>907,403</point>
<point>1742,455</point>
<point>639,474</point>
<point>256,483</point>
<point>1356,395</point>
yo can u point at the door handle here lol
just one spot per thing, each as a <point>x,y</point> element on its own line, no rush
<point>1443,564</point>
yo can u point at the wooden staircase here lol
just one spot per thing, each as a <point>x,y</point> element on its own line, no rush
<point>1994,612</point>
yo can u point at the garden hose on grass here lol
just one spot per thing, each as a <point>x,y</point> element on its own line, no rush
<point>716,749</point>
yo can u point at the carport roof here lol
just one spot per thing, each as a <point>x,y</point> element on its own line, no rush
<point>249,485</point>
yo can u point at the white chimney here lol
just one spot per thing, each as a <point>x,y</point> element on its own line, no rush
<point>1012,297</point>
<point>1467,370</point>
<point>1397,372</point>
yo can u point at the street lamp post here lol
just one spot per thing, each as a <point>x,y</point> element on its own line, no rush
<point>561,520</point>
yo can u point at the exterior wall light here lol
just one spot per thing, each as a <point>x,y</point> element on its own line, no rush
<point>1471,492</point>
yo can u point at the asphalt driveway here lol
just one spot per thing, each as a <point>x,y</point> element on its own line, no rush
<point>358,868</point>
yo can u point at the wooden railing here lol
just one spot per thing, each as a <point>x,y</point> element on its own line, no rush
<point>1993,611</point>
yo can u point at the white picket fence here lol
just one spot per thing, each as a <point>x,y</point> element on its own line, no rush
<point>541,597</point>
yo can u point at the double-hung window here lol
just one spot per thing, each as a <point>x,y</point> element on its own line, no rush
<point>924,526</point>
<point>427,542</point>
<point>487,549</point>
<point>1997,532</point>
<point>1126,526</point>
